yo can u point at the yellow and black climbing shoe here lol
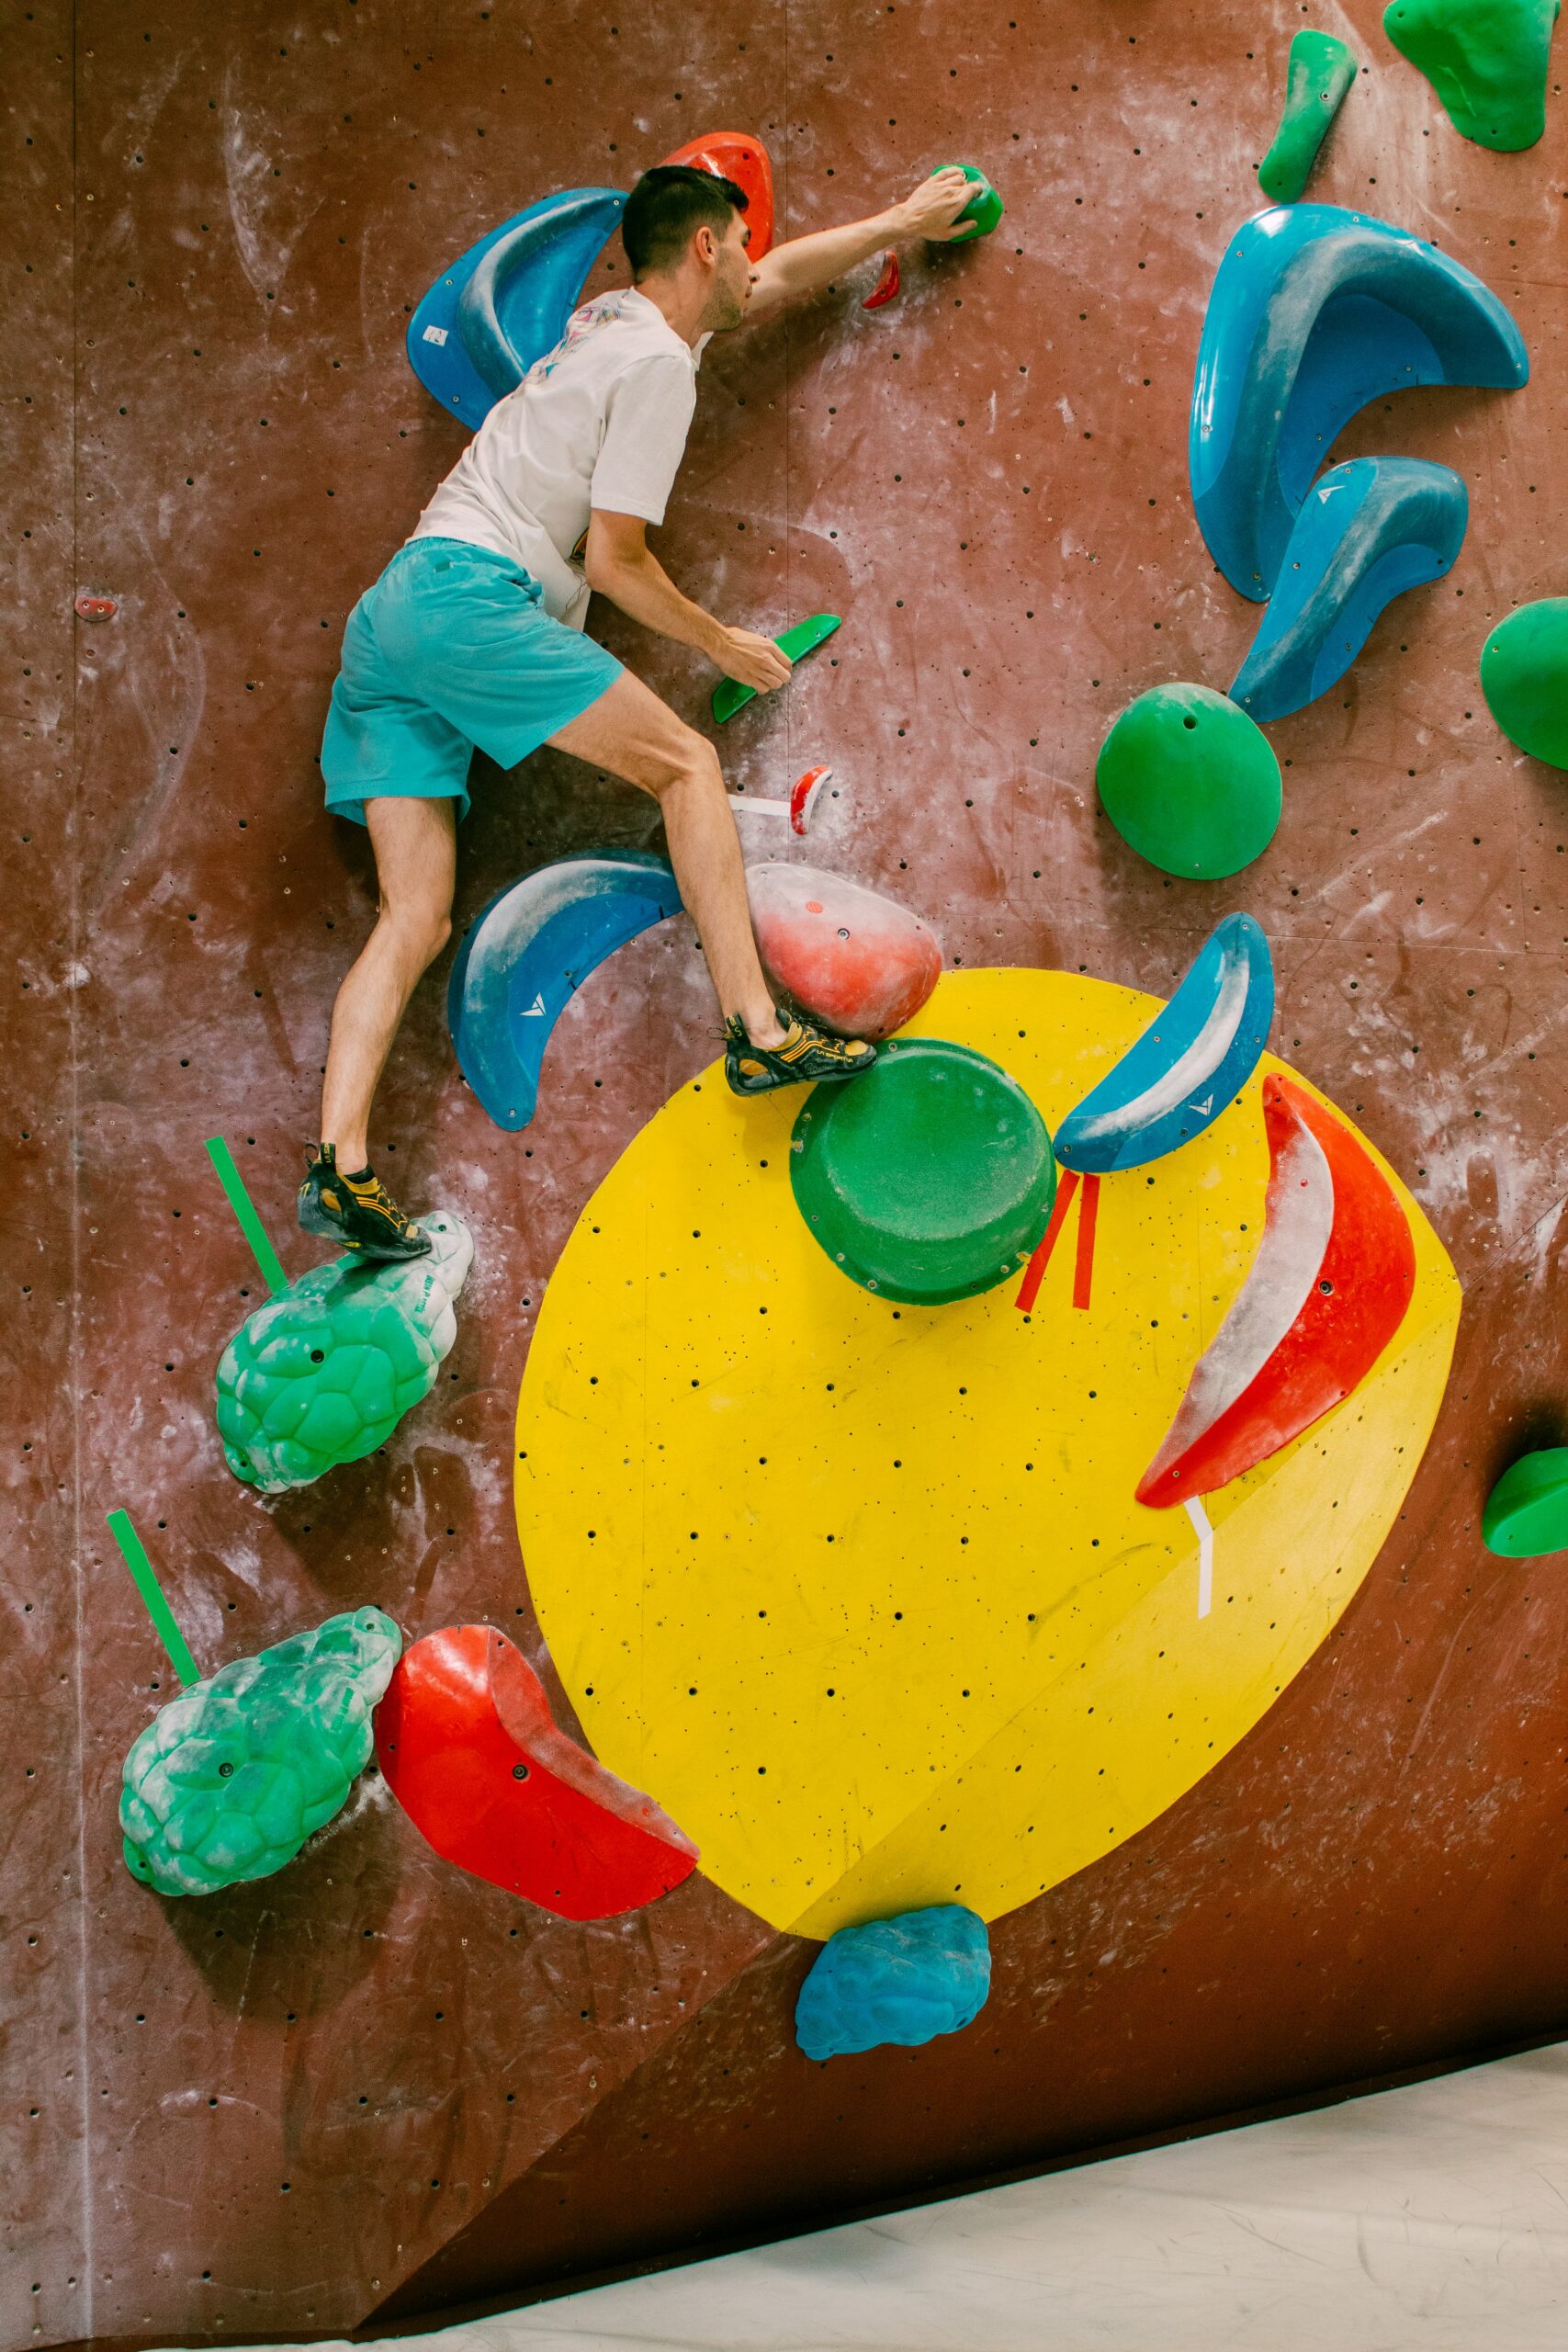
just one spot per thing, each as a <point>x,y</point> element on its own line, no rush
<point>807,1058</point>
<point>356,1211</point>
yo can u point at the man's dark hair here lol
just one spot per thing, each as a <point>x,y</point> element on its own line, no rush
<point>668,205</point>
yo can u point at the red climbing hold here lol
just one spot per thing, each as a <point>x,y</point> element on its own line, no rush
<point>858,962</point>
<point>736,155</point>
<point>96,608</point>
<point>886,285</point>
<point>468,1746</point>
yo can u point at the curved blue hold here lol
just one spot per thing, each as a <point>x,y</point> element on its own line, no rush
<point>1369,530</point>
<point>530,950</point>
<point>1315,312</point>
<point>903,1980</point>
<point>506,302</point>
<point>1189,1064</point>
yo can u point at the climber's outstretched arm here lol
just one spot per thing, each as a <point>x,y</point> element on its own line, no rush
<point>804,263</point>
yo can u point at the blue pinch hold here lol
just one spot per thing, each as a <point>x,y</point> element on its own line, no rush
<point>529,950</point>
<point>1188,1066</point>
<point>1369,530</point>
<point>1314,312</point>
<point>506,302</point>
<point>903,1980</point>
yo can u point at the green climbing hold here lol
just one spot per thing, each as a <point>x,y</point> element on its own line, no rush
<point>984,207</point>
<point>1526,1512</point>
<point>1487,61</point>
<point>1524,676</point>
<point>230,1778</point>
<point>729,696</point>
<point>1190,782</point>
<point>1317,79</point>
<point>929,1178</point>
<point>325,1372</point>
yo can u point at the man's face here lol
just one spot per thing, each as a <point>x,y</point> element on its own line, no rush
<point>733,272</point>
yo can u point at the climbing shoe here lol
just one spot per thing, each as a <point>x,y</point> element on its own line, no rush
<point>356,1211</point>
<point>807,1056</point>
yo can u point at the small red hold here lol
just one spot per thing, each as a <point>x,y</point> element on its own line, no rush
<point>803,794</point>
<point>886,285</point>
<point>96,608</point>
<point>468,1746</point>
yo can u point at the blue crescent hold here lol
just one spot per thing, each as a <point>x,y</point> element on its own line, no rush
<point>529,951</point>
<point>1188,1066</point>
<point>506,302</point>
<point>1314,312</point>
<point>1369,530</point>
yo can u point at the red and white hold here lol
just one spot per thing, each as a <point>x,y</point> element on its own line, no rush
<point>857,962</point>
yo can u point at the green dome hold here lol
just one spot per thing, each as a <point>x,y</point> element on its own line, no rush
<point>984,207</point>
<point>325,1372</point>
<point>1487,61</point>
<point>230,1779</point>
<point>1524,676</point>
<point>1526,1512</point>
<point>1190,782</point>
<point>929,1178</point>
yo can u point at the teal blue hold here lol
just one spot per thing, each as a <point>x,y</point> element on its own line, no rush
<point>903,1980</point>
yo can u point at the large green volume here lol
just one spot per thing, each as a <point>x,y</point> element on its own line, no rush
<point>1524,676</point>
<point>1190,782</point>
<point>1487,61</point>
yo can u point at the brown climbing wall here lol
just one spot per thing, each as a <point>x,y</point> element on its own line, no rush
<point>272,2111</point>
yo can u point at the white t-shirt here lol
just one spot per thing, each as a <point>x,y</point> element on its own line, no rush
<point>600,421</point>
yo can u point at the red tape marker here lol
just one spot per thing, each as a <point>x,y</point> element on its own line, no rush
<point>1035,1272</point>
<point>1083,1265</point>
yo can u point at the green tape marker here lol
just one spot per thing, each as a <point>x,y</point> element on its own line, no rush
<point>729,696</point>
<point>152,1592</point>
<point>251,1226</point>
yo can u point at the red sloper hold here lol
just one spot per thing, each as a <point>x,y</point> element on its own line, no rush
<point>857,961</point>
<point>468,1746</point>
<point>1328,1289</point>
<point>736,155</point>
<point>886,285</point>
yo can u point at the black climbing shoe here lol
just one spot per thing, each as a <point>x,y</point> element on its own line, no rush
<point>356,1211</point>
<point>807,1056</point>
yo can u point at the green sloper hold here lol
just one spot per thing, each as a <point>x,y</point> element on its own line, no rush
<point>1487,61</point>
<point>1321,72</point>
<point>1190,782</point>
<point>230,1779</point>
<point>984,207</point>
<point>729,696</point>
<point>325,1372</point>
<point>1526,1512</point>
<point>1524,676</point>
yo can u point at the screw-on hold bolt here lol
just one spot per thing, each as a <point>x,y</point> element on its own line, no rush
<point>94,608</point>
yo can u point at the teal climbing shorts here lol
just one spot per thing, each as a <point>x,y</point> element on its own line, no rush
<point>451,647</point>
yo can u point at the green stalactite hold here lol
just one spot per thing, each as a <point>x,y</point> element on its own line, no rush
<point>1487,61</point>
<point>1524,676</point>
<point>1190,782</point>
<point>1319,74</point>
<point>230,1779</point>
<point>323,1373</point>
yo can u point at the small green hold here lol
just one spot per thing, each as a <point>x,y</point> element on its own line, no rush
<point>1190,782</point>
<point>325,1372</point>
<point>1487,61</point>
<point>229,1778</point>
<point>1524,676</point>
<point>1526,1512</point>
<point>729,696</point>
<point>984,207</point>
<point>1322,71</point>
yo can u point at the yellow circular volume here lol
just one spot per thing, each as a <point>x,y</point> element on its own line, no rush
<point>860,1592</point>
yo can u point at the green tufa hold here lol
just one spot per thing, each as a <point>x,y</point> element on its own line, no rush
<point>1524,676</point>
<point>1526,1512</point>
<point>1190,782</point>
<point>1319,74</point>
<point>325,1372</point>
<point>1487,61</point>
<point>230,1779</point>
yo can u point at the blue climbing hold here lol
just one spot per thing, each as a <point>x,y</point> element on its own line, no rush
<point>1369,530</point>
<point>1315,312</point>
<point>531,949</point>
<point>903,1980</point>
<point>1188,1066</point>
<point>506,302</point>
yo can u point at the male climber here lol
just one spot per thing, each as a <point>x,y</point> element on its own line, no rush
<point>473,636</point>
